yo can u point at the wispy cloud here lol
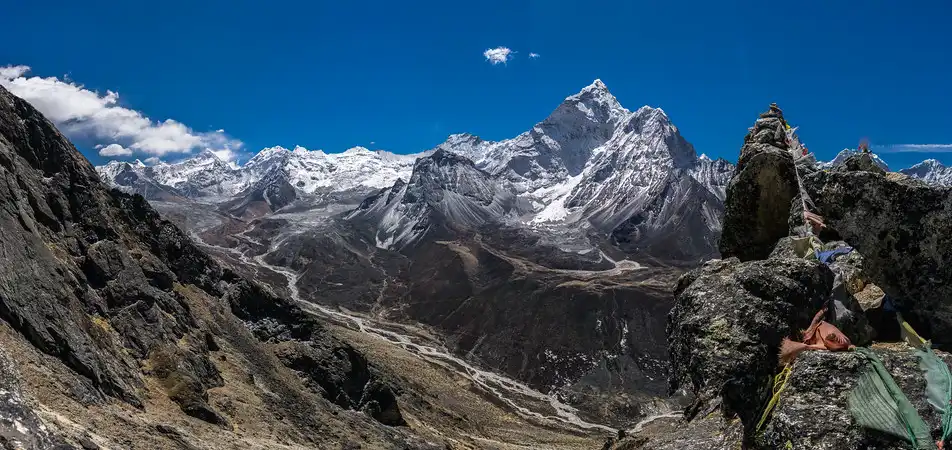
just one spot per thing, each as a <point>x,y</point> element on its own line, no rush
<point>534,55</point>
<point>498,55</point>
<point>914,148</point>
<point>152,161</point>
<point>120,131</point>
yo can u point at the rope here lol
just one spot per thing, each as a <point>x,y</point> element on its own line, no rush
<point>808,216</point>
<point>780,383</point>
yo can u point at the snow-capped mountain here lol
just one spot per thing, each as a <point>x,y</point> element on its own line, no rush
<point>313,170</point>
<point>199,176</point>
<point>135,177</point>
<point>714,174</point>
<point>931,171</point>
<point>590,164</point>
<point>592,159</point>
<point>205,176</point>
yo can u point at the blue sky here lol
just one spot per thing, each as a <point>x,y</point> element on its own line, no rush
<point>402,76</point>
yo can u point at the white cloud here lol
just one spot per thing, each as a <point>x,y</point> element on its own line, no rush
<point>226,155</point>
<point>534,55</point>
<point>11,72</point>
<point>152,161</point>
<point>914,148</point>
<point>80,112</point>
<point>220,130</point>
<point>114,150</point>
<point>497,55</point>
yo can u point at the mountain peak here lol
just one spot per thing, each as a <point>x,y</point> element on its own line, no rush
<point>596,85</point>
<point>595,94</point>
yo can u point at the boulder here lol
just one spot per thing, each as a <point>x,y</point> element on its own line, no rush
<point>727,324</point>
<point>757,207</point>
<point>903,229</point>
<point>813,412</point>
<point>847,312</point>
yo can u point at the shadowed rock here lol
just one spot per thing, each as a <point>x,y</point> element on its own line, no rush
<point>729,318</point>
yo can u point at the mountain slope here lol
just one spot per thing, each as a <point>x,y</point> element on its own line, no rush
<point>446,193</point>
<point>121,326</point>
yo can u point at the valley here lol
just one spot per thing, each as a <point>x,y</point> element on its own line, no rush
<point>538,269</point>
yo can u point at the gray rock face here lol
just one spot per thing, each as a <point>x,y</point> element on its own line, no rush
<point>729,318</point>
<point>757,207</point>
<point>903,228</point>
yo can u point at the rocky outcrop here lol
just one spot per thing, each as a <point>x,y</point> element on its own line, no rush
<point>730,316</point>
<point>757,207</point>
<point>728,321</point>
<point>903,229</point>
